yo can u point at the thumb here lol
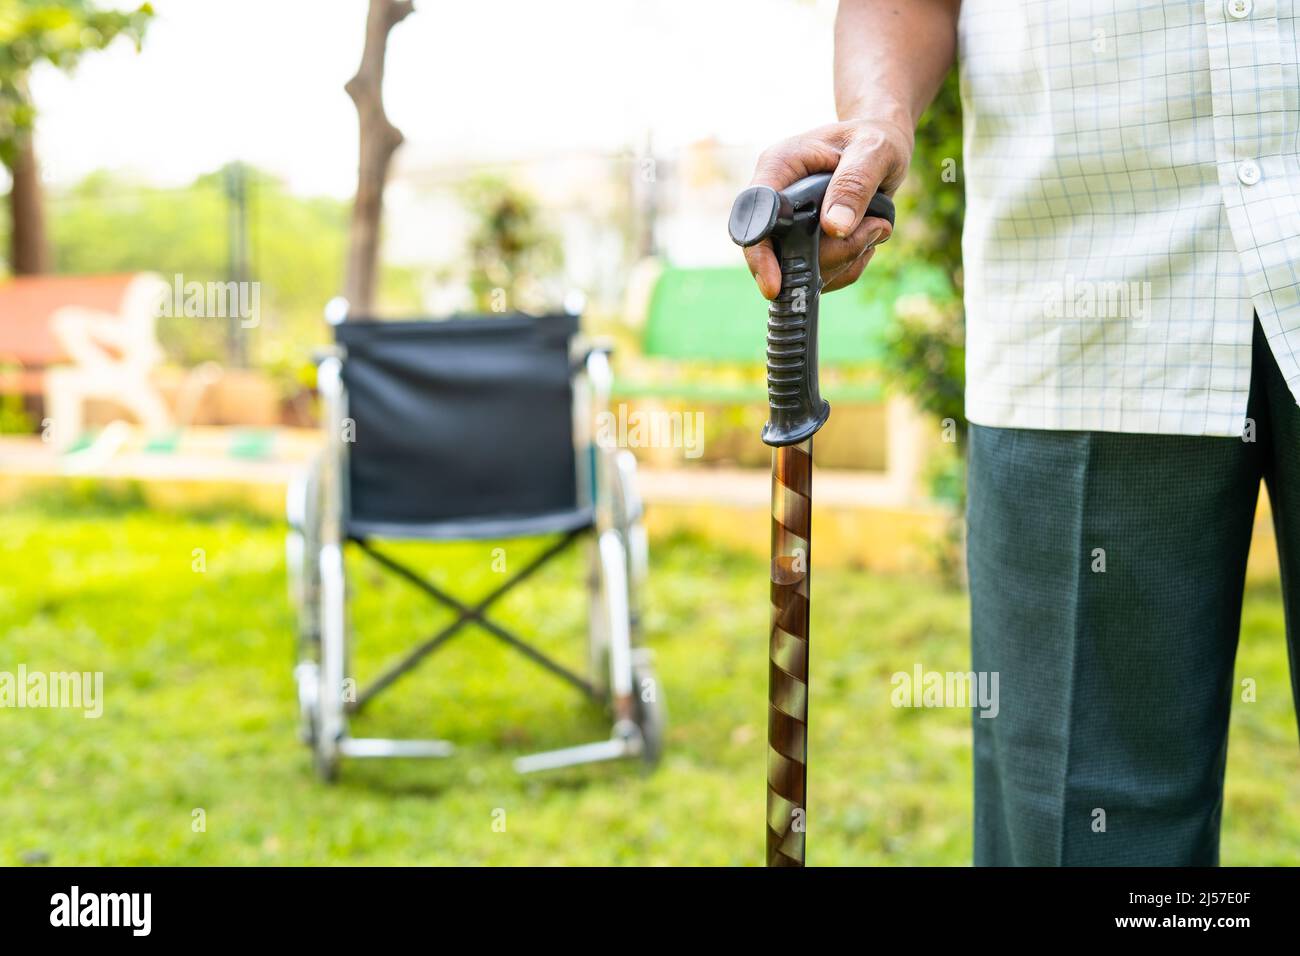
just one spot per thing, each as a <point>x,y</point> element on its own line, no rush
<point>857,177</point>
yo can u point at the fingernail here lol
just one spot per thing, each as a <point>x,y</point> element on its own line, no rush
<point>841,220</point>
<point>875,237</point>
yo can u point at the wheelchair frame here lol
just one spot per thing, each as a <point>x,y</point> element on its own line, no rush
<point>621,670</point>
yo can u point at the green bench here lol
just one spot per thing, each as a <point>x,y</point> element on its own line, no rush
<point>716,317</point>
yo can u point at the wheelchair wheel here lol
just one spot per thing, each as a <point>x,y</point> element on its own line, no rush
<point>324,757</point>
<point>324,753</point>
<point>597,626</point>
<point>326,763</point>
<point>307,676</point>
<point>329,711</point>
<point>303,559</point>
<point>650,716</point>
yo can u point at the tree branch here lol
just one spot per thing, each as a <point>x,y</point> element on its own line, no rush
<point>379,139</point>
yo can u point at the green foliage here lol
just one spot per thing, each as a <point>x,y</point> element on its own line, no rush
<point>200,711</point>
<point>57,32</point>
<point>108,224</point>
<point>926,343</point>
<point>111,224</point>
<point>933,206</point>
<point>508,248</point>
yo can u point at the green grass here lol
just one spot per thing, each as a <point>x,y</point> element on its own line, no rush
<point>200,713</point>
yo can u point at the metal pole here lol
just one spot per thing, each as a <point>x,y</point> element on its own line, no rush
<point>237,258</point>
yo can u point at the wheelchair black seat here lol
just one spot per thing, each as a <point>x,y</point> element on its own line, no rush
<point>462,427</point>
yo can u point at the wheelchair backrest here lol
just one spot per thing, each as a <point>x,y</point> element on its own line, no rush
<point>459,419</point>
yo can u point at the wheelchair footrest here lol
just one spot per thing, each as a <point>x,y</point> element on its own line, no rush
<point>381,747</point>
<point>615,748</point>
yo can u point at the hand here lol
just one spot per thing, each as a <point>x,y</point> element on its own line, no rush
<point>865,155</point>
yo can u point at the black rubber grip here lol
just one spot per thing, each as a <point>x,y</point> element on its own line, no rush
<point>792,219</point>
<point>795,406</point>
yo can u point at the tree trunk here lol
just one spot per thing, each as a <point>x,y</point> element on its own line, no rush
<point>379,139</point>
<point>29,251</point>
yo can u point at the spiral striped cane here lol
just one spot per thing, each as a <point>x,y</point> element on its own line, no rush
<point>791,219</point>
<point>787,689</point>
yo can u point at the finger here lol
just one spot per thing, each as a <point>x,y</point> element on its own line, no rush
<point>862,167</point>
<point>791,160</point>
<point>838,253</point>
<point>850,273</point>
<point>764,268</point>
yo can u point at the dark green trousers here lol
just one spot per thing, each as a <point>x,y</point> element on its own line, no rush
<point>1115,685</point>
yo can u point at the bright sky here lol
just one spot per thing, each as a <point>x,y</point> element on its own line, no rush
<point>262,81</point>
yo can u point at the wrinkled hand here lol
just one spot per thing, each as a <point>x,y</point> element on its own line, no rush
<point>865,156</point>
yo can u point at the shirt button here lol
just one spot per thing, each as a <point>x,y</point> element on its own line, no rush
<point>1240,9</point>
<point>1248,172</point>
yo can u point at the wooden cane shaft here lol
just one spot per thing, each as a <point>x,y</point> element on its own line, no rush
<point>787,719</point>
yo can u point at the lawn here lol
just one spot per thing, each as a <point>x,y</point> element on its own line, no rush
<point>199,712</point>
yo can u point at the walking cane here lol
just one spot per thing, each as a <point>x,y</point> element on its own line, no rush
<point>792,220</point>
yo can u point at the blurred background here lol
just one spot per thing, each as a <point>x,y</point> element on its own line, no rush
<point>575,154</point>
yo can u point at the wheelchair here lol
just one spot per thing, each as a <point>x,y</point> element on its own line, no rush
<point>467,428</point>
